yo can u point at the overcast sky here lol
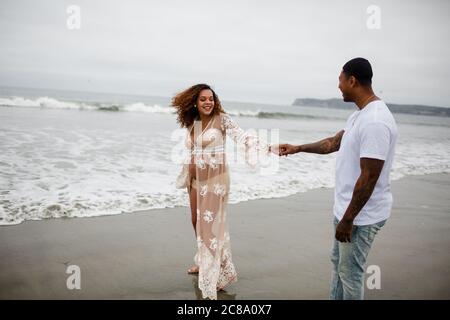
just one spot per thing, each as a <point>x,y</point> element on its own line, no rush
<point>261,51</point>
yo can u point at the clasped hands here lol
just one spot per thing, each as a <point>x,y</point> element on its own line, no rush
<point>283,149</point>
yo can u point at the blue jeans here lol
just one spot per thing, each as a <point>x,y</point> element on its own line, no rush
<point>349,258</point>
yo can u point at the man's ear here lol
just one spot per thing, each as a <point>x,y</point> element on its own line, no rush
<point>352,81</point>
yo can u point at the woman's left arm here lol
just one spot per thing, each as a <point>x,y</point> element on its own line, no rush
<point>254,146</point>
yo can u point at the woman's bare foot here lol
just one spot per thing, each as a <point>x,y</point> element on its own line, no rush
<point>193,270</point>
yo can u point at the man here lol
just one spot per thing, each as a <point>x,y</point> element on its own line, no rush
<point>363,200</point>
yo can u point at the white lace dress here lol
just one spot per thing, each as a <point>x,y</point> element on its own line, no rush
<point>212,183</point>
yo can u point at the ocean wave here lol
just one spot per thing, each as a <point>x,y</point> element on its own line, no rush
<point>43,102</point>
<point>13,214</point>
<point>277,115</point>
<point>52,103</point>
<point>69,170</point>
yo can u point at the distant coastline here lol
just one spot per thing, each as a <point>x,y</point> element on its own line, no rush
<point>396,108</point>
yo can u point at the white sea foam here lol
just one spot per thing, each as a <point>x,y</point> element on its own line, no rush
<point>44,102</point>
<point>112,163</point>
<point>51,103</point>
<point>141,107</point>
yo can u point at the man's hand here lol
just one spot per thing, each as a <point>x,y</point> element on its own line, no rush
<point>325,146</point>
<point>285,149</point>
<point>344,231</point>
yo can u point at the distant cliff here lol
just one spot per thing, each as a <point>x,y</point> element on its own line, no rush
<point>396,108</point>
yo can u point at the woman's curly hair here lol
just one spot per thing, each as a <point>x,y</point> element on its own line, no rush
<point>184,103</point>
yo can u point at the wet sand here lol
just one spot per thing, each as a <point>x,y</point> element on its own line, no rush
<point>280,248</point>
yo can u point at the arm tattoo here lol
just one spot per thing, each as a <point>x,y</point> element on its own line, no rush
<point>324,146</point>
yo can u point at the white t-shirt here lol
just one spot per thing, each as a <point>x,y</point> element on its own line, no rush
<point>369,133</point>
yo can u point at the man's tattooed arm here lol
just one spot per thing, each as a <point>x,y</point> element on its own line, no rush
<point>370,171</point>
<point>325,146</point>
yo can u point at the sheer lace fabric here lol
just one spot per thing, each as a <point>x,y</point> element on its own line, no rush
<point>207,171</point>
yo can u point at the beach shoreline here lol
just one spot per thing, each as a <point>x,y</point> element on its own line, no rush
<point>280,247</point>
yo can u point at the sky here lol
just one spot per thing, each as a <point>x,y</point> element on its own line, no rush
<point>256,51</point>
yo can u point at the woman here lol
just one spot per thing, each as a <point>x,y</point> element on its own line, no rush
<point>206,177</point>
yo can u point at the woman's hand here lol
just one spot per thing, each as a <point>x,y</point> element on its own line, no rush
<point>274,148</point>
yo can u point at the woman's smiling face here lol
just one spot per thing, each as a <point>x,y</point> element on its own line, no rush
<point>205,102</point>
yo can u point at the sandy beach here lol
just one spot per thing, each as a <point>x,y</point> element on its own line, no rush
<point>280,248</point>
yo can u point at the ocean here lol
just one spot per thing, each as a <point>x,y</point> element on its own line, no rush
<point>81,154</point>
